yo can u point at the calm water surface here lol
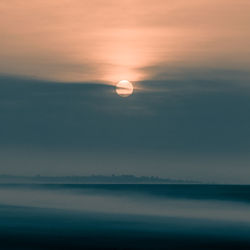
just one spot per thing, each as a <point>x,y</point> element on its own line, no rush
<point>58,216</point>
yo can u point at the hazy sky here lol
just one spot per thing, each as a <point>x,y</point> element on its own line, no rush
<point>188,60</point>
<point>110,40</point>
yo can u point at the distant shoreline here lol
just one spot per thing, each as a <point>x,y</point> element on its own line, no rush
<point>91,179</point>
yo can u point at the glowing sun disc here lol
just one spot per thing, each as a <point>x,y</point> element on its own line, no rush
<point>124,88</point>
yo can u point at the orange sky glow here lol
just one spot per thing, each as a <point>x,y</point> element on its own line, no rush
<point>106,41</point>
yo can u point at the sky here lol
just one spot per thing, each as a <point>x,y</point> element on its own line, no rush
<point>189,62</point>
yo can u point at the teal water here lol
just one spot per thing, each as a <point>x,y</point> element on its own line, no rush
<point>58,216</point>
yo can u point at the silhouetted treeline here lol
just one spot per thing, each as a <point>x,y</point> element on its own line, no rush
<point>92,179</point>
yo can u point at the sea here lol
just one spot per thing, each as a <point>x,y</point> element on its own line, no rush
<point>120,216</point>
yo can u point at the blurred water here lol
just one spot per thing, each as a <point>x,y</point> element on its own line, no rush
<point>192,213</point>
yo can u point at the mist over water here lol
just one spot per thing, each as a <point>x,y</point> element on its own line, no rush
<point>159,213</point>
<point>124,200</point>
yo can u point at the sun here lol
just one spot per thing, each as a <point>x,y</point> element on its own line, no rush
<point>124,88</point>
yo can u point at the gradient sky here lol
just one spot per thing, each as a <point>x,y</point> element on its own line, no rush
<point>188,60</point>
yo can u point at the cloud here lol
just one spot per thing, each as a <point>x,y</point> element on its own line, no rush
<point>183,115</point>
